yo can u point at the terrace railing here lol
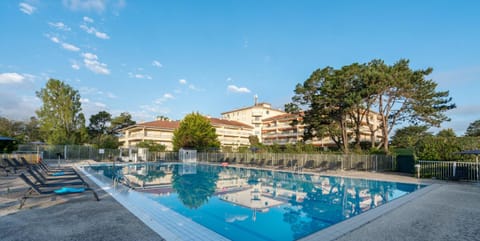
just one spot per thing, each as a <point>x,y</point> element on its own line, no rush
<point>444,170</point>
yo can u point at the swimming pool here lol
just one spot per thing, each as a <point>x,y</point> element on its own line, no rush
<point>251,204</point>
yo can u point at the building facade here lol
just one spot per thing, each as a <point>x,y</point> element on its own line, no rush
<point>231,134</point>
<point>253,115</point>
<point>279,130</point>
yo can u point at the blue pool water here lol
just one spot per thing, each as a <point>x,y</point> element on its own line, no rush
<point>249,204</point>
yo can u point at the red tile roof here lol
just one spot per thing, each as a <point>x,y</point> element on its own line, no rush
<point>162,124</point>
<point>220,122</point>
<point>287,116</point>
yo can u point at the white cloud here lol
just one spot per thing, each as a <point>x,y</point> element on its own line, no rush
<point>165,97</point>
<point>157,64</point>
<point>84,100</point>
<point>87,19</point>
<point>111,95</point>
<point>59,26</point>
<point>102,35</point>
<point>193,87</point>
<point>92,30</point>
<point>75,66</point>
<point>85,91</point>
<point>13,106</point>
<point>229,79</point>
<point>55,40</point>
<point>236,89</point>
<point>86,5</point>
<point>149,112</point>
<point>70,47</point>
<point>64,45</point>
<point>27,8</point>
<point>99,104</point>
<point>11,78</point>
<point>91,62</point>
<point>182,81</point>
<point>139,76</point>
<point>90,56</point>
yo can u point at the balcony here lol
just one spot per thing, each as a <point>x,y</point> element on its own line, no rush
<point>257,113</point>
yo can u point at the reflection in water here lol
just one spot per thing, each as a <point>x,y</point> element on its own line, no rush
<point>194,188</point>
<point>257,200</point>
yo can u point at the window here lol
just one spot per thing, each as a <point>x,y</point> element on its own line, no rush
<point>268,112</point>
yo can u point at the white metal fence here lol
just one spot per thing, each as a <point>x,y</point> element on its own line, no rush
<point>449,170</point>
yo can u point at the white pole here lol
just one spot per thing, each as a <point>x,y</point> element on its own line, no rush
<point>477,167</point>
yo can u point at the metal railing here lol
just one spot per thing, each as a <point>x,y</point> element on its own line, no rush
<point>314,162</point>
<point>449,170</point>
<point>70,152</point>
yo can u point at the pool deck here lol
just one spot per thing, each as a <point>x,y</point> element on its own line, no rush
<point>442,211</point>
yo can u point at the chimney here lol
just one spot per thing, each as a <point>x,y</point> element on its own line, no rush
<point>255,97</point>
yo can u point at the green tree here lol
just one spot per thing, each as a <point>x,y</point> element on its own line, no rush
<point>121,121</point>
<point>195,131</point>
<point>99,124</point>
<point>152,146</point>
<point>60,116</point>
<point>108,142</point>
<point>447,133</point>
<point>100,132</point>
<point>32,130</point>
<point>408,136</point>
<point>401,94</point>
<point>332,98</point>
<point>473,129</point>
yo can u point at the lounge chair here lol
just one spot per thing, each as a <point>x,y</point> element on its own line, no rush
<point>50,170</point>
<point>13,166</point>
<point>25,162</point>
<point>309,164</point>
<point>55,183</point>
<point>51,177</point>
<point>5,169</point>
<point>17,163</point>
<point>39,191</point>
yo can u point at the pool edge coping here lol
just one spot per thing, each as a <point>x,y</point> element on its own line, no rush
<point>342,228</point>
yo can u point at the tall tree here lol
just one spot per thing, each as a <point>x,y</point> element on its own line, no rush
<point>195,131</point>
<point>373,93</point>
<point>100,132</point>
<point>61,120</point>
<point>401,94</point>
<point>407,137</point>
<point>121,121</point>
<point>99,123</point>
<point>330,97</point>
<point>448,133</point>
<point>473,129</point>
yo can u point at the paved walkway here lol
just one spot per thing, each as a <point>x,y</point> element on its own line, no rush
<point>450,211</point>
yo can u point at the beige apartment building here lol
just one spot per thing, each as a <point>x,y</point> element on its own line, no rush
<point>231,134</point>
<point>253,115</point>
<point>279,130</point>
<point>271,126</point>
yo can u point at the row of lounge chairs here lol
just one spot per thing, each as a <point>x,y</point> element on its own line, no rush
<point>295,165</point>
<point>46,181</point>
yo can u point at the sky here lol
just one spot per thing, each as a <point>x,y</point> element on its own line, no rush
<point>171,58</point>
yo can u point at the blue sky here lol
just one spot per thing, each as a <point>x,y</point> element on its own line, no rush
<point>171,58</point>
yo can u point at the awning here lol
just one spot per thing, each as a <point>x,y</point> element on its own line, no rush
<point>4,138</point>
<point>469,152</point>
